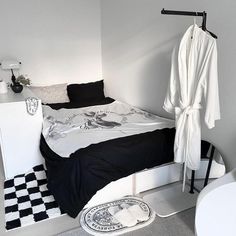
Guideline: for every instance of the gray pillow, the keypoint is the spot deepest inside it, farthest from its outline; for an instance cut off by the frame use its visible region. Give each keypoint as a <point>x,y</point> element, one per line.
<point>56,93</point>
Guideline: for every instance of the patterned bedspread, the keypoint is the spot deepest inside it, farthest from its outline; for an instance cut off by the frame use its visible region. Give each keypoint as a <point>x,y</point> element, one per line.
<point>67,130</point>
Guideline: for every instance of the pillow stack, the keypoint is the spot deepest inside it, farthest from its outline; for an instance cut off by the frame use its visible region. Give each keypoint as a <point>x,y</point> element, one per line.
<point>78,94</point>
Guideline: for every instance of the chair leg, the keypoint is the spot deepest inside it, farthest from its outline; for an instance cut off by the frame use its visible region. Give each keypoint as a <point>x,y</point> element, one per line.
<point>192,182</point>
<point>209,166</point>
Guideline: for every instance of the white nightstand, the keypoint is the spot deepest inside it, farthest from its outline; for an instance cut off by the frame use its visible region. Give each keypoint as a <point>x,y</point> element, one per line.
<point>19,133</point>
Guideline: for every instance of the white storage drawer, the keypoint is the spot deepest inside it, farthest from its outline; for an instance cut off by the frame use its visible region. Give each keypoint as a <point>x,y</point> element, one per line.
<point>19,133</point>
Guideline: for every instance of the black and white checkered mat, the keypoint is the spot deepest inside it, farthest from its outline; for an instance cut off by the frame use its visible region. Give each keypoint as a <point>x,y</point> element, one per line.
<point>28,200</point>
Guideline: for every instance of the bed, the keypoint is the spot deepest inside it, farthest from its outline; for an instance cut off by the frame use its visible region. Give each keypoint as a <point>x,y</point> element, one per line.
<point>89,142</point>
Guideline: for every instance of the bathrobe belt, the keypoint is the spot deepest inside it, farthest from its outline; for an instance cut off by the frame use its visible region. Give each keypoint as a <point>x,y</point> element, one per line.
<point>188,110</point>
<point>182,114</point>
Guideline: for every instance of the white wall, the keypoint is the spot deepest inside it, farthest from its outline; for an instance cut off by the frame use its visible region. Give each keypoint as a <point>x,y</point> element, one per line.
<point>56,40</point>
<point>60,41</point>
<point>136,46</point>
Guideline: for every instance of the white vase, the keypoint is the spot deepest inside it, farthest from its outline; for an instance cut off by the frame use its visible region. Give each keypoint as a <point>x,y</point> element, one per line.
<point>3,87</point>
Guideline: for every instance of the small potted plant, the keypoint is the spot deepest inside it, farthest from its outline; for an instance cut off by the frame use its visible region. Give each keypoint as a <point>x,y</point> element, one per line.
<point>19,82</point>
<point>23,80</point>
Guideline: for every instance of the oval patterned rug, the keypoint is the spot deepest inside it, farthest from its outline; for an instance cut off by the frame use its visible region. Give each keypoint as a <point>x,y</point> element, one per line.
<point>98,220</point>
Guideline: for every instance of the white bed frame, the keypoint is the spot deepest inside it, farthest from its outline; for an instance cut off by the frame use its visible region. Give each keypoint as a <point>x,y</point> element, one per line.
<point>138,182</point>
<point>151,178</point>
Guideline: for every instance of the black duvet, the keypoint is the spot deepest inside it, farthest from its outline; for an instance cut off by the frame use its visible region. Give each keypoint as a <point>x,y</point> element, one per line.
<point>73,181</point>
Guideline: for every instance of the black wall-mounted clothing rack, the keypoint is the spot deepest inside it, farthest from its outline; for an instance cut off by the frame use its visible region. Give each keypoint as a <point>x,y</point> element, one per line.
<point>203,14</point>
<point>204,17</point>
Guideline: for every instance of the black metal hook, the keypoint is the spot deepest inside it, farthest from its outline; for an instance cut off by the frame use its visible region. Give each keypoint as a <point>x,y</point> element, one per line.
<point>190,13</point>
<point>204,21</point>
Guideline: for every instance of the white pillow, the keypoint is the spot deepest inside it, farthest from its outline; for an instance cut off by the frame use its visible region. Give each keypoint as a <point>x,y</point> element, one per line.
<point>51,94</point>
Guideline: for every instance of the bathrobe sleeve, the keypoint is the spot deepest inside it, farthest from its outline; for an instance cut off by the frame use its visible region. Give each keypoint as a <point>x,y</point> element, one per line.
<point>172,91</point>
<point>211,91</point>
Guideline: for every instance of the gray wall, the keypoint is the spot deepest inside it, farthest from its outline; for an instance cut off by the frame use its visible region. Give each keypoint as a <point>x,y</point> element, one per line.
<point>136,46</point>
<point>56,40</point>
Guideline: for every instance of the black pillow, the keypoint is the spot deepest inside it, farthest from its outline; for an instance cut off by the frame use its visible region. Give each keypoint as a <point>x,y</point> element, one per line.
<point>90,92</point>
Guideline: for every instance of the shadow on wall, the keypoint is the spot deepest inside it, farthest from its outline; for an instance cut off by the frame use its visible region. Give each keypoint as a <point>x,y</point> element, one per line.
<point>140,77</point>
<point>136,67</point>
<point>152,88</point>
<point>149,86</point>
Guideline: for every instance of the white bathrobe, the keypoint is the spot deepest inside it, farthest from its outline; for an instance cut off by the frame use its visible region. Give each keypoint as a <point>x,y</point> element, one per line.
<point>193,76</point>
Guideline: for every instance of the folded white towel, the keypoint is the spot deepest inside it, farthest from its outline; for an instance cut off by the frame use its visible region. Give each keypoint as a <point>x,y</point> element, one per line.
<point>137,212</point>
<point>113,210</point>
<point>129,215</point>
<point>123,216</point>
